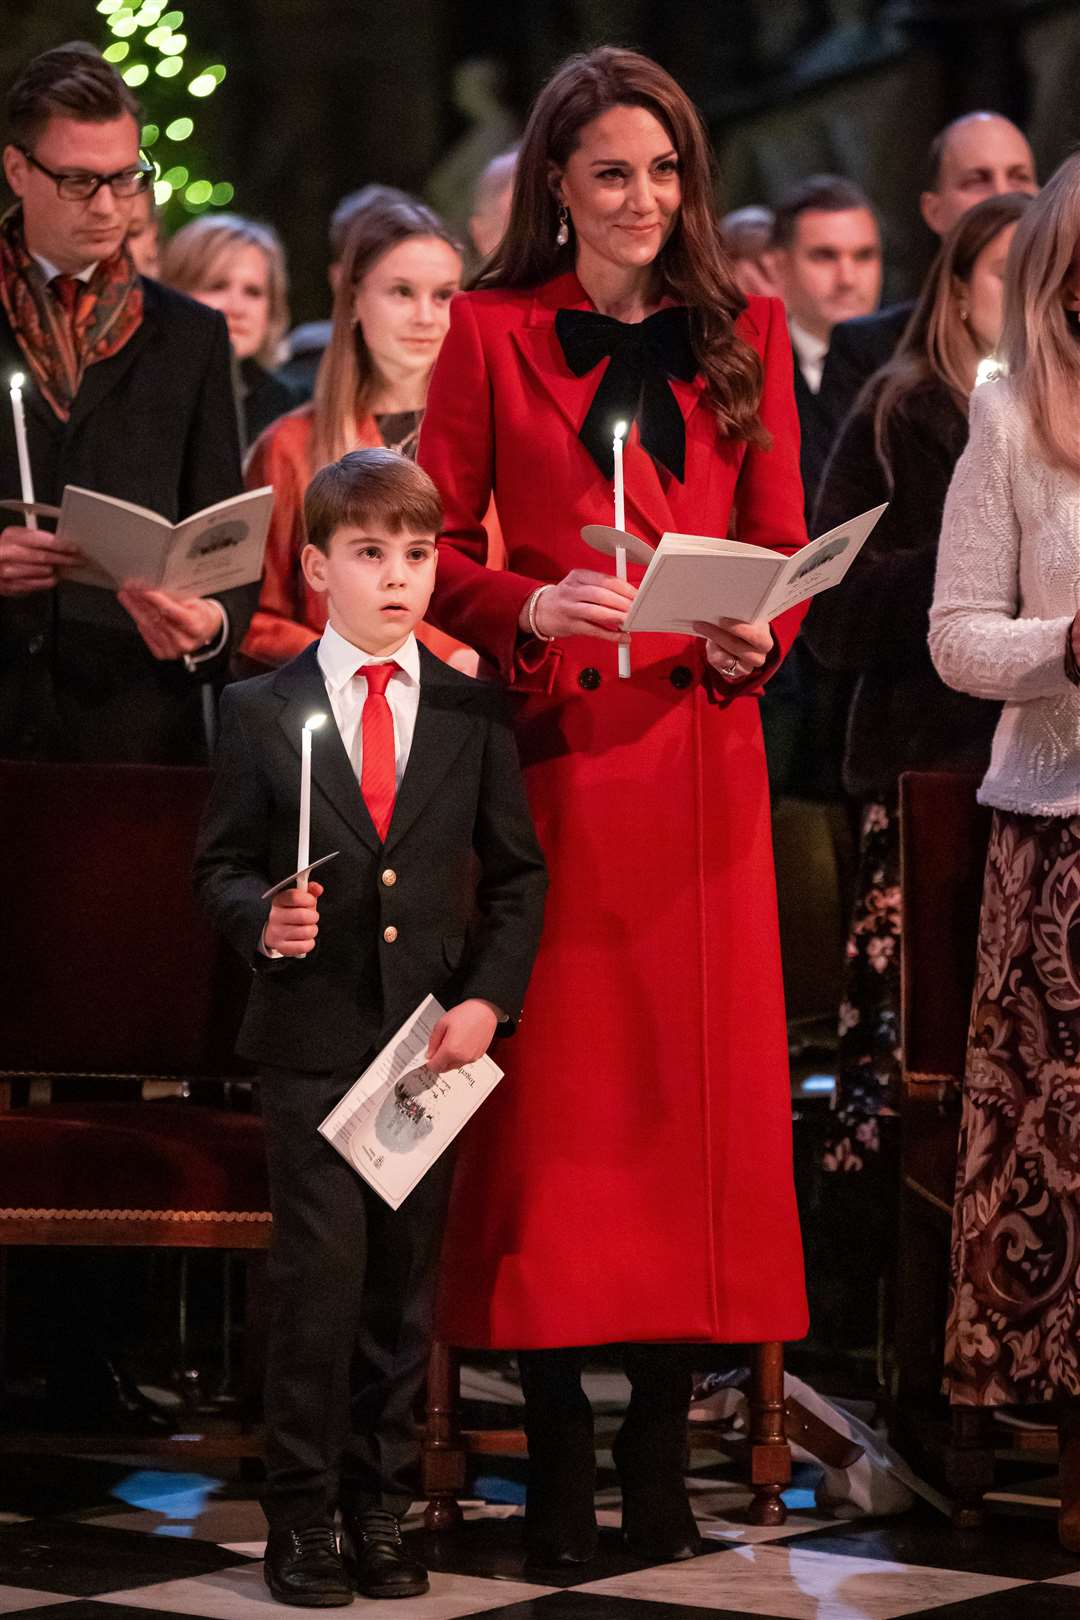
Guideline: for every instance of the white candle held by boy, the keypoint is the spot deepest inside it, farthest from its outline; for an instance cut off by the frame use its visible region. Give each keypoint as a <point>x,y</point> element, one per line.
<point>303,842</point>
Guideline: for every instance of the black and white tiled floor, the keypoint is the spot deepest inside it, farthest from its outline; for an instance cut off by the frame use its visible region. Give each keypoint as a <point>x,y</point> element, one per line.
<point>86,1540</point>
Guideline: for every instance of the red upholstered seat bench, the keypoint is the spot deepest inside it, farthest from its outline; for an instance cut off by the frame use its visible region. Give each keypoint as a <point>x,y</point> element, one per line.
<point>133,1174</point>
<point>118,980</point>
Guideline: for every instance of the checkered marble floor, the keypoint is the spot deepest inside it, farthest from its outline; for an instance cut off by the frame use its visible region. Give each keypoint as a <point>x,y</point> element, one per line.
<point>93,1540</point>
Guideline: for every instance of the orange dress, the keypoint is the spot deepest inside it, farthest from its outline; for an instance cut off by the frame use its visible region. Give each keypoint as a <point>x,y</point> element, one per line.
<point>290,615</point>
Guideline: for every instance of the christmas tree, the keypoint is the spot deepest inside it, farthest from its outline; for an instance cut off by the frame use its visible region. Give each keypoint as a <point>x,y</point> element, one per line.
<point>152,54</point>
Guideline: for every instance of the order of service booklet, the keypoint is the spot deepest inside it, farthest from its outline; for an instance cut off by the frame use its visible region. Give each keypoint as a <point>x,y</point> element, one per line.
<point>400,1116</point>
<point>211,551</point>
<point>693,577</point>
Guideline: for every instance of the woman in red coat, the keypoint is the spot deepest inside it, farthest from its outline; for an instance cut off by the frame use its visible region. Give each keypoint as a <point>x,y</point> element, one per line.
<point>630,1181</point>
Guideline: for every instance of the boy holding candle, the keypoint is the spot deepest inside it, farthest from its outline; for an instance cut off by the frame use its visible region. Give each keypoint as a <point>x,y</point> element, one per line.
<point>415,780</point>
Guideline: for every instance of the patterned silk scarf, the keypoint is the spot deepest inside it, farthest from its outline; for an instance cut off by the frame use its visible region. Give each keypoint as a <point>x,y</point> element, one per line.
<point>57,348</point>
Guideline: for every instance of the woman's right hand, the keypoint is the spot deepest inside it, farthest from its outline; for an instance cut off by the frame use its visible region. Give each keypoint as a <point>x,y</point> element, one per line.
<point>584,603</point>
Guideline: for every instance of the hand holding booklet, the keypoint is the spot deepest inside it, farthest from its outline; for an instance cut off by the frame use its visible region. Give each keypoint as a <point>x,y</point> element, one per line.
<point>401,1116</point>
<point>692,577</point>
<point>211,551</point>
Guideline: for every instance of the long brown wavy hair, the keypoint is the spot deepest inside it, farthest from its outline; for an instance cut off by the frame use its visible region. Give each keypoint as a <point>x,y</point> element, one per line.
<point>346,377</point>
<point>692,267</point>
<point>1041,343</point>
<point>938,345</point>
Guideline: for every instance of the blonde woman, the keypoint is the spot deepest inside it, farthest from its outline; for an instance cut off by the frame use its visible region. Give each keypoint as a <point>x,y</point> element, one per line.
<point>400,269</point>
<point>1004,626</point>
<point>238,266</point>
<point>900,444</point>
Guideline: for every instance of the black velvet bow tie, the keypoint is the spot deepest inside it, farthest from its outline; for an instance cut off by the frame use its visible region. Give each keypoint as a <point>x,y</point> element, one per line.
<point>635,385</point>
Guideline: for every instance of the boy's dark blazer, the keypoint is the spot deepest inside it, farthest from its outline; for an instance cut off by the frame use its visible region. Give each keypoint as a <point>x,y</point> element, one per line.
<point>155,424</point>
<point>460,878</point>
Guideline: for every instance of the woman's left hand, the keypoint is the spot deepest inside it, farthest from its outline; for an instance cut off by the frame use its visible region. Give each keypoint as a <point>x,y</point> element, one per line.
<point>733,649</point>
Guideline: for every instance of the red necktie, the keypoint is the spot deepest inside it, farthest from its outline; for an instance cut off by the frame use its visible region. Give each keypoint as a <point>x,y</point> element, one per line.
<point>66,290</point>
<point>378,771</point>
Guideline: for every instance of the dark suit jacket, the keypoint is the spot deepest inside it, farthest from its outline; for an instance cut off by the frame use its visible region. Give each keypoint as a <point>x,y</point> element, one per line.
<point>814,441</point>
<point>804,707</point>
<point>156,425</point>
<point>461,809</point>
<point>856,350</point>
<point>873,626</point>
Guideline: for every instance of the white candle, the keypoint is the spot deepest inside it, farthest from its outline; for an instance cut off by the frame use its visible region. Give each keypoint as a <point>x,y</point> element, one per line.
<point>26,476</point>
<point>620,487</point>
<point>620,524</point>
<point>303,842</point>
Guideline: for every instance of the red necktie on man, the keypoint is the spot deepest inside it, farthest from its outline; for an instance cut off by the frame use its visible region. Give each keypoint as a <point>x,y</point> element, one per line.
<point>378,771</point>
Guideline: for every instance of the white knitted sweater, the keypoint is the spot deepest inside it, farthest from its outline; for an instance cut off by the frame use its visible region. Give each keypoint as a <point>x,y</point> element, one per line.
<point>1008,585</point>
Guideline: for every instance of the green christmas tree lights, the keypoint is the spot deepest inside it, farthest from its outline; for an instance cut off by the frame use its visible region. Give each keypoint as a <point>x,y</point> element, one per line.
<point>150,50</point>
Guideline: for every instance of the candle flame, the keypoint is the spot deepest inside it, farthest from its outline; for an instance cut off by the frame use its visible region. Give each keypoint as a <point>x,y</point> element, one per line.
<point>17,380</point>
<point>620,430</point>
<point>314,721</point>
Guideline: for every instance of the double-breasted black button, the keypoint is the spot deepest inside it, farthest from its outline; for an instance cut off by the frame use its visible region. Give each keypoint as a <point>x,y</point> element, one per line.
<point>589,678</point>
<point>681,677</point>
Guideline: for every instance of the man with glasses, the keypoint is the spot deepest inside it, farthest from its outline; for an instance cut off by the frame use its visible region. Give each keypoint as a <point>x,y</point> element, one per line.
<point>128,392</point>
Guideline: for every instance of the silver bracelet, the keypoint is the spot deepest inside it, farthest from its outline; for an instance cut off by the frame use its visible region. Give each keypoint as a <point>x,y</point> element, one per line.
<point>530,610</point>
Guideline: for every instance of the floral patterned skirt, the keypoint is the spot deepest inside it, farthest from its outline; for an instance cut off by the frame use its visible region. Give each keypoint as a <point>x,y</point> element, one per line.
<point>1013,1334</point>
<point>868,1053</point>
<point>858,1208</point>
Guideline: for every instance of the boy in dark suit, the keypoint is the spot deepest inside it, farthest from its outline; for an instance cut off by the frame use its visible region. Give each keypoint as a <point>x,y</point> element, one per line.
<point>416,782</point>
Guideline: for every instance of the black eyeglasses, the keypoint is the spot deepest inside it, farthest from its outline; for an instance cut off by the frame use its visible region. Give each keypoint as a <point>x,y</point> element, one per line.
<point>78,186</point>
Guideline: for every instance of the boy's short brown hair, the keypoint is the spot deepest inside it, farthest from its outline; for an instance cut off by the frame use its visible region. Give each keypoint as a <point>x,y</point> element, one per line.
<point>370,486</point>
<point>70,81</point>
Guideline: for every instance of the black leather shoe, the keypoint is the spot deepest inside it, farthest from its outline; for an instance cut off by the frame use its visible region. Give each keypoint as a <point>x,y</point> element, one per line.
<point>375,1557</point>
<point>304,1567</point>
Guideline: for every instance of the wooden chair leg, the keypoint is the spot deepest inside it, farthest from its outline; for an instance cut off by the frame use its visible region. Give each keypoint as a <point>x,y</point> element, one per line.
<point>443,1455</point>
<point>770,1454</point>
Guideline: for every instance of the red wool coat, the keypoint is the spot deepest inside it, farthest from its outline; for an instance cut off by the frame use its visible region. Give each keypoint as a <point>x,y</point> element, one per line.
<point>631,1177</point>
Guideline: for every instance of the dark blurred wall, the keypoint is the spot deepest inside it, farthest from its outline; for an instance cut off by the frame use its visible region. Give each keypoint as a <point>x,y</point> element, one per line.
<point>324,97</point>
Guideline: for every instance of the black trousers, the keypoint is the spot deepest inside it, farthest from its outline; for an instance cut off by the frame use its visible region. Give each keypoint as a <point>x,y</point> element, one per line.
<point>352,1290</point>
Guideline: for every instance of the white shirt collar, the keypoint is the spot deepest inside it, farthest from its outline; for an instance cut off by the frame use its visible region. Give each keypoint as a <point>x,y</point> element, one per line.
<point>339,659</point>
<point>810,351</point>
<point>50,272</point>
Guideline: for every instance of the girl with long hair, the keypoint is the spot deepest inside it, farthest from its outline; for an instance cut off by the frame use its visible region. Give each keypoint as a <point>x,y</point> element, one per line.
<point>237,265</point>
<point>1004,626</point>
<point>630,1182</point>
<point>900,444</point>
<point>400,269</point>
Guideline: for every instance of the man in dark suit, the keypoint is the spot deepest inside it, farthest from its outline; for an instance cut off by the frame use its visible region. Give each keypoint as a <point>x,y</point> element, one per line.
<point>129,393</point>
<point>825,257</point>
<point>416,778</point>
<point>979,155</point>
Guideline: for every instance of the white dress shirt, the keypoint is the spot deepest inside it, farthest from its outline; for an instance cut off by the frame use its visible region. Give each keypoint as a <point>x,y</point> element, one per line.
<point>810,352</point>
<point>339,661</point>
<point>50,271</point>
